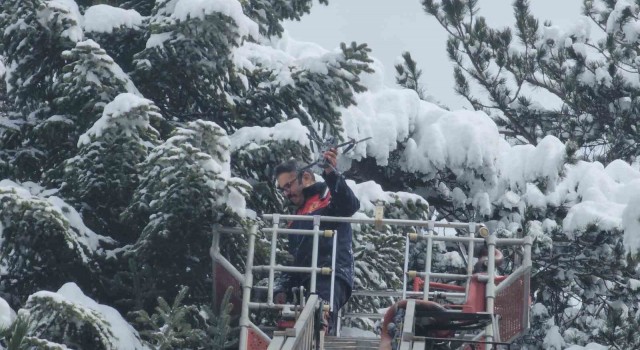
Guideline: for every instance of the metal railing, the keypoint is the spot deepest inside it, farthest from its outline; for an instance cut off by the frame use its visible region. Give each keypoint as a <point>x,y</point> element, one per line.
<point>425,230</point>
<point>301,336</point>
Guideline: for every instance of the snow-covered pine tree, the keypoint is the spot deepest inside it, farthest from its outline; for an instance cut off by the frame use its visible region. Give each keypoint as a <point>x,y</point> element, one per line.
<point>122,32</point>
<point>594,79</point>
<point>272,87</point>
<point>89,81</point>
<point>43,242</point>
<point>186,187</point>
<point>101,179</point>
<point>7,128</point>
<point>270,14</point>
<point>585,285</point>
<point>69,319</point>
<point>187,60</point>
<point>52,27</point>
<point>584,273</point>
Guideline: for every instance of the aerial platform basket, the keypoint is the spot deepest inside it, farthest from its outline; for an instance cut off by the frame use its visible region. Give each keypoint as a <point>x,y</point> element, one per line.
<point>468,311</point>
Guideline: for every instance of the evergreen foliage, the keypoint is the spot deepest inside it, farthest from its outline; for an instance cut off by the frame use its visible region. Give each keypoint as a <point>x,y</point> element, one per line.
<point>68,319</point>
<point>594,80</point>
<point>152,134</point>
<point>268,94</point>
<point>40,247</point>
<point>270,14</point>
<point>193,90</point>
<point>52,27</point>
<point>582,279</point>
<point>170,327</point>
<point>103,176</point>
<point>185,189</point>
<point>408,75</point>
<point>379,255</point>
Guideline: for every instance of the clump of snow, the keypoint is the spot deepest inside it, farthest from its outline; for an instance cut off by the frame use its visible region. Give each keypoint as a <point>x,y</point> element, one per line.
<point>50,13</point>
<point>111,116</point>
<point>630,27</point>
<point>622,172</point>
<point>539,310</point>
<point>157,40</point>
<point>84,235</point>
<point>123,335</point>
<point>370,194</point>
<point>290,130</point>
<point>185,9</point>
<point>284,57</point>
<point>237,201</point>
<point>605,215</point>
<point>522,164</point>
<point>104,61</point>
<point>7,315</point>
<point>553,339</point>
<point>104,19</point>
<point>453,259</point>
<point>388,116</point>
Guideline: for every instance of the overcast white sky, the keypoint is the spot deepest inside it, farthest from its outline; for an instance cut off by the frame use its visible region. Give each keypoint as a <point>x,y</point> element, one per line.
<point>393,26</point>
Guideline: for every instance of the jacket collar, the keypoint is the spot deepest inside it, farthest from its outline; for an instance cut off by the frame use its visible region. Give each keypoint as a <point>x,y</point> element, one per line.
<point>316,196</point>
<point>317,188</point>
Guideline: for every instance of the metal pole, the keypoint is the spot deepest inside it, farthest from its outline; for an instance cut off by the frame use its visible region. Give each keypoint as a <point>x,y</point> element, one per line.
<point>314,253</point>
<point>396,222</point>
<point>470,249</point>
<point>272,260</point>
<point>491,286</point>
<point>215,249</point>
<point>470,253</point>
<point>246,295</point>
<point>528,241</point>
<point>429,256</point>
<point>333,269</point>
<point>406,267</point>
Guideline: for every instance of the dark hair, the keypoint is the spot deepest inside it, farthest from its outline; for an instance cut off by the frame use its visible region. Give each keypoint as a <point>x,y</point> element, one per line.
<point>289,166</point>
<point>286,167</point>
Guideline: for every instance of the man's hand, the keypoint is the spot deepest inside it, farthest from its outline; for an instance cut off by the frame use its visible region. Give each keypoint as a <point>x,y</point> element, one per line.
<point>330,157</point>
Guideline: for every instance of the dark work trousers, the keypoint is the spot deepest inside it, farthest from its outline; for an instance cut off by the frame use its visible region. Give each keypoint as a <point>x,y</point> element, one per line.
<point>341,294</point>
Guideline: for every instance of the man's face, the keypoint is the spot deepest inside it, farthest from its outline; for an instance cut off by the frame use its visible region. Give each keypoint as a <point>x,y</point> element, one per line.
<point>290,187</point>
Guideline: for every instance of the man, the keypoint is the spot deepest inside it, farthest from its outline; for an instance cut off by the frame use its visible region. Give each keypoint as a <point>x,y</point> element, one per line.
<point>331,198</point>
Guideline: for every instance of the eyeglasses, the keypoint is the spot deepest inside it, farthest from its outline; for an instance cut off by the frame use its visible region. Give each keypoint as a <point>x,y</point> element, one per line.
<point>287,187</point>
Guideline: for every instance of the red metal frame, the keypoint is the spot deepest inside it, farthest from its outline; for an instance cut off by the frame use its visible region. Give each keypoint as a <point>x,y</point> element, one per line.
<point>224,279</point>
<point>255,340</point>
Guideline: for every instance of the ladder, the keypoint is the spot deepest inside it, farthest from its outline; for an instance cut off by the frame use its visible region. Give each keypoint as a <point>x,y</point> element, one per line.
<point>486,298</point>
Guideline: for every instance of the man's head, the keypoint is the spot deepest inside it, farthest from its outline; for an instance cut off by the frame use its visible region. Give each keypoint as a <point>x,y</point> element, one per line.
<point>290,183</point>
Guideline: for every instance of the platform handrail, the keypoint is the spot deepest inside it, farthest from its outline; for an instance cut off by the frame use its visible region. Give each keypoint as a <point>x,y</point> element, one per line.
<point>300,336</point>
<point>426,231</point>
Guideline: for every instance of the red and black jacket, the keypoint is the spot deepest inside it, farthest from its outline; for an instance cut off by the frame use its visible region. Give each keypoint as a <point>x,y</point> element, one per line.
<point>331,198</point>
